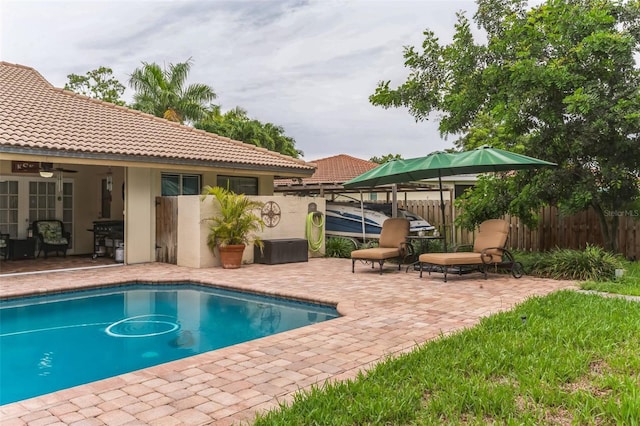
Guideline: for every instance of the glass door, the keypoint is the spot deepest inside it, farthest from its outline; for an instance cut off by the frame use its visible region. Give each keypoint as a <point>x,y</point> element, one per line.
<point>9,208</point>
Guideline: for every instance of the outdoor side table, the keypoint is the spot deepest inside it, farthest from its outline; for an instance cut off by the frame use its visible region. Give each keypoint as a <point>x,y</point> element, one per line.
<point>424,246</point>
<point>22,248</point>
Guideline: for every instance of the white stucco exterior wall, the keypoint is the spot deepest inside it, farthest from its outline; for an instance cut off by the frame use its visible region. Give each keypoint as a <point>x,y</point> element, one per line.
<point>140,193</point>
<point>192,228</point>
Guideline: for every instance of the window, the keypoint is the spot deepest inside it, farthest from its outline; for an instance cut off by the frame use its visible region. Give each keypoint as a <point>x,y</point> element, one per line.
<point>9,208</point>
<point>179,184</point>
<point>239,184</point>
<point>45,203</point>
<point>42,201</point>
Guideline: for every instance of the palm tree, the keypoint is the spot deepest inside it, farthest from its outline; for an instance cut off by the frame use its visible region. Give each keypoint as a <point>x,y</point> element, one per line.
<point>163,92</point>
<point>236,124</point>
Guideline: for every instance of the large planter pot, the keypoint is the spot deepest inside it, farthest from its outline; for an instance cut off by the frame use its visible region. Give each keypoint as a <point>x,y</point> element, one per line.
<point>231,256</point>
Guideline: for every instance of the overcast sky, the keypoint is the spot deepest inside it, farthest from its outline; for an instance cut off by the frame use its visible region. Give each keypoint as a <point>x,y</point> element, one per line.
<point>307,65</point>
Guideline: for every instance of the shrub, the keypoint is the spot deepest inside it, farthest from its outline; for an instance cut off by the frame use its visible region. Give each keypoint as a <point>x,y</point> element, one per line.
<point>629,284</point>
<point>592,263</point>
<point>339,247</point>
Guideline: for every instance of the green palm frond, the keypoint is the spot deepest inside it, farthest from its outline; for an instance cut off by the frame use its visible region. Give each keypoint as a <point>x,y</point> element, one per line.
<point>236,222</point>
<point>163,93</point>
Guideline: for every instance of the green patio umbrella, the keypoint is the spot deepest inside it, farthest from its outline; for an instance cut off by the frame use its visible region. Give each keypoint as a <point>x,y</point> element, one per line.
<point>438,164</point>
<point>399,171</point>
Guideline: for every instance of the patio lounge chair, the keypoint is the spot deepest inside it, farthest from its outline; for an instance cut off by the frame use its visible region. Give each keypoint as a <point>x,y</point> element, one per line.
<point>393,244</point>
<point>51,236</point>
<point>488,249</point>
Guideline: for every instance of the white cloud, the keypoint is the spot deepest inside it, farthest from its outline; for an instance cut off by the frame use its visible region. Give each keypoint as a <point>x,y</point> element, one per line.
<point>308,66</point>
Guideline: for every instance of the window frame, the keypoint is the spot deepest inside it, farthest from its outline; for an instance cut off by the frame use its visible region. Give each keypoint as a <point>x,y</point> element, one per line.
<point>235,184</point>
<point>181,183</point>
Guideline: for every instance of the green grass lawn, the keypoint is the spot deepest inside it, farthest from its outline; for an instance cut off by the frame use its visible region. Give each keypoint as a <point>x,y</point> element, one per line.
<point>567,358</point>
<point>629,283</point>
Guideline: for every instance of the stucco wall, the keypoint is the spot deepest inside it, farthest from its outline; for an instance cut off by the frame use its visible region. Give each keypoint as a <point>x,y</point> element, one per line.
<point>192,227</point>
<point>139,213</point>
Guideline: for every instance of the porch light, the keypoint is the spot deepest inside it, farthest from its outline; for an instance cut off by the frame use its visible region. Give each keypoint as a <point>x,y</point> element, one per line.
<point>46,173</point>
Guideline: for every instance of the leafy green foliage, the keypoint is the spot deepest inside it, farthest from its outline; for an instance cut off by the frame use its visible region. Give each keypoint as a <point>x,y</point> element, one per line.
<point>97,84</point>
<point>162,92</point>
<point>562,359</point>
<point>593,263</point>
<point>339,247</point>
<point>236,222</point>
<point>385,158</point>
<point>628,284</point>
<point>236,124</point>
<point>558,81</point>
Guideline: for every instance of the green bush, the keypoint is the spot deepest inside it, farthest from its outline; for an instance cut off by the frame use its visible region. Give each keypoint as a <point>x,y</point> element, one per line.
<point>339,247</point>
<point>629,284</point>
<point>592,263</point>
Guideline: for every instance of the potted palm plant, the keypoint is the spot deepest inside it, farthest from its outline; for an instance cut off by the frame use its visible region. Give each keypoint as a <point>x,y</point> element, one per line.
<point>234,226</point>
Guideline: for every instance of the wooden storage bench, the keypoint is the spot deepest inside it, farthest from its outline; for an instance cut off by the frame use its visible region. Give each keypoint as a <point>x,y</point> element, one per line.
<point>285,250</point>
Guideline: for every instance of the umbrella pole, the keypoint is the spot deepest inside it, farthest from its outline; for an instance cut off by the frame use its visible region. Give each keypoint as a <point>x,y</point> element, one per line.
<point>444,227</point>
<point>394,200</point>
<point>364,233</point>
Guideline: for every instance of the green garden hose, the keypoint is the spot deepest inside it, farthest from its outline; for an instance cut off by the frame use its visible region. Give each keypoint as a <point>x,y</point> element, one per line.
<point>315,243</point>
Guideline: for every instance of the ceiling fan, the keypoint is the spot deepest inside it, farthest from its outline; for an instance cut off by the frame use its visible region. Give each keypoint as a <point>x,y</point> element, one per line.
<point>47,169</point>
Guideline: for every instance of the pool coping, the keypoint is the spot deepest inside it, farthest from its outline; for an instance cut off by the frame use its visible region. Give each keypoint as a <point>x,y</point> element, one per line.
<point>230,385</point>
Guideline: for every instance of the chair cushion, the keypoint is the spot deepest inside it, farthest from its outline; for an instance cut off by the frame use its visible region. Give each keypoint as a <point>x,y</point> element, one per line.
<point>492,233</point>
<point>377,253</point>
<point>460,258</point>
<point>52,232</point>
<point>394,232</point>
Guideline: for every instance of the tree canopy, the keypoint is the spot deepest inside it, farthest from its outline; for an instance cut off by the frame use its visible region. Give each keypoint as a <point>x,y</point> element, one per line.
<point>385,158</point>
<point>558,81</point>
<point>164,93</point>
<point>97,84</point>
<point>236,124</point>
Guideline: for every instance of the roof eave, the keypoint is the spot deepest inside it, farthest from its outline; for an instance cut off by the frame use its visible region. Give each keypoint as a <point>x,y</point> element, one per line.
<point>303,170</point>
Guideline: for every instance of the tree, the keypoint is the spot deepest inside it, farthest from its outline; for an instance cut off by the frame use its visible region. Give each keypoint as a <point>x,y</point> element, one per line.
<point>385,158</point>
<point>97,84</point>
<point>162,92</point>
<point>236,124</point>
<point>558,81</point>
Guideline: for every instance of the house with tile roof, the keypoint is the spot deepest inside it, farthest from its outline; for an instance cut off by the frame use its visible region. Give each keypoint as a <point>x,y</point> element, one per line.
<point>83,161</point>
<point>332,172</point>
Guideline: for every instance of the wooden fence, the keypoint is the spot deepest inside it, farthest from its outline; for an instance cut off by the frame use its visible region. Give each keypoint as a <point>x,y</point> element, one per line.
<point>554,230</point>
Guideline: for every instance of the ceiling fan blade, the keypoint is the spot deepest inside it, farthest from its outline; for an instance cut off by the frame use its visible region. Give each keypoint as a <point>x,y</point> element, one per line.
<point>46,167</point>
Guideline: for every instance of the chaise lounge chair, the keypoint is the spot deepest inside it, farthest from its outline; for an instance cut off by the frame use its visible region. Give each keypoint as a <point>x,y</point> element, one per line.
<point>393,244</point>
<point>488,249</point>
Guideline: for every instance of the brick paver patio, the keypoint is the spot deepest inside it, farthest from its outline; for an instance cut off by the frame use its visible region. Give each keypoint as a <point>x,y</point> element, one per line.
<point>382,315</point>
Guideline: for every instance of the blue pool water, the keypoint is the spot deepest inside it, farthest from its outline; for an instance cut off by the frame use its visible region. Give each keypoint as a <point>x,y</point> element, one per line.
<point>54,342</point>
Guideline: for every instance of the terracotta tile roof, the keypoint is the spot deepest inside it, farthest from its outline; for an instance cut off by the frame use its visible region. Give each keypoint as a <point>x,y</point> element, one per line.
<point>37,118</point>
<point>334,170</point>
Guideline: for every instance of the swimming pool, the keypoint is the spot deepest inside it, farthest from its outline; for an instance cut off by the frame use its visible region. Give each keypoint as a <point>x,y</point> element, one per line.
<point>48,343</point>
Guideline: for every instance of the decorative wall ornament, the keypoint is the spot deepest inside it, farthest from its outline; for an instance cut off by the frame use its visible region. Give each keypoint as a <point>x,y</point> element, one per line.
<point>271,214</point>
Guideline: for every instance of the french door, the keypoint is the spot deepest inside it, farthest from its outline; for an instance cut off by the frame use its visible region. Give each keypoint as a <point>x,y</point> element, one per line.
<point>25,199</point>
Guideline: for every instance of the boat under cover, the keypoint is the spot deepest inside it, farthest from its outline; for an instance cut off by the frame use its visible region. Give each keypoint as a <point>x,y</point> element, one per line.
<point>345,219</point>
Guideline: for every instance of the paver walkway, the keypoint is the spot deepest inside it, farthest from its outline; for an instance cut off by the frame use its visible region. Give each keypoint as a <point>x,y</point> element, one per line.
<point>383,315</point>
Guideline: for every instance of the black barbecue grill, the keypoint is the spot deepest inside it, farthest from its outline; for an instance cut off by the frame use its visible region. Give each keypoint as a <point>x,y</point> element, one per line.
<point>107,234</point>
